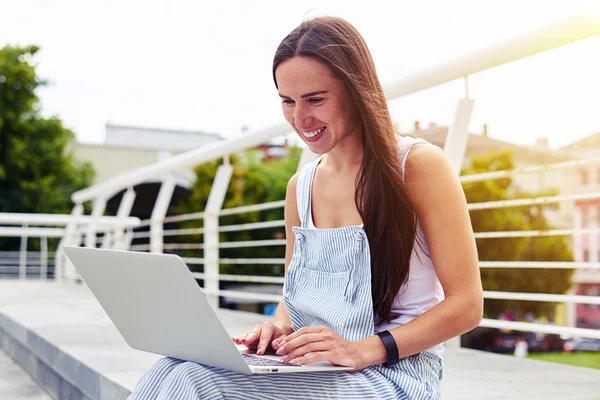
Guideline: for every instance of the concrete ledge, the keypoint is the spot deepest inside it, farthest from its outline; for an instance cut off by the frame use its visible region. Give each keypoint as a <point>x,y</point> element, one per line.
<point>61,336</point>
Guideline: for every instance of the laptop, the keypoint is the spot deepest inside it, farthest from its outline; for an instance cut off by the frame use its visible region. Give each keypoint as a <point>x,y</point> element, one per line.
<point>158,307</point>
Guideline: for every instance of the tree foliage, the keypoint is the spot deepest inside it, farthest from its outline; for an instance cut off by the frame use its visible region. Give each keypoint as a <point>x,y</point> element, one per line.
<point>37,172</point>
<point>254,182</point>
<point>549,248</point>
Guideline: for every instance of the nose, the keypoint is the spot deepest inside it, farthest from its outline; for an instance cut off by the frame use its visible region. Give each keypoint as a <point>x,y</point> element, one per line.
<point>302,116</point>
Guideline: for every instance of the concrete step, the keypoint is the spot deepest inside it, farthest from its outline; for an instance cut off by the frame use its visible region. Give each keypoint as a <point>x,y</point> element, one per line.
<point>16,384</point>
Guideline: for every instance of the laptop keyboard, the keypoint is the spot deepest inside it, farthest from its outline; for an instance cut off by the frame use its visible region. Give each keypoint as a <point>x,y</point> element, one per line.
<point>259,361</point>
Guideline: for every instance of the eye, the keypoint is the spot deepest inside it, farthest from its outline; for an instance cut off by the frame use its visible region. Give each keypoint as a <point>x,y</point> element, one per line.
<point>287,101</point>
<point>315,100</point>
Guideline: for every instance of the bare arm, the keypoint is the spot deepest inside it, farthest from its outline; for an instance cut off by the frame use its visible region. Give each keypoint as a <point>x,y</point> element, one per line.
<point>441,208</point>
<point>282,318</point>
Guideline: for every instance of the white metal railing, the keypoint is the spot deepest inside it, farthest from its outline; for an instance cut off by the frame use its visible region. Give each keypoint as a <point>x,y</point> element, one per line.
<point>554,35</point>
<point>26,263</point>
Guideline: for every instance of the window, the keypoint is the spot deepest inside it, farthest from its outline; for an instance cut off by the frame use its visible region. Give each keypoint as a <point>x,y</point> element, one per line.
<point>584,217</point>
<point>586,256</point>
<point>583,177</point>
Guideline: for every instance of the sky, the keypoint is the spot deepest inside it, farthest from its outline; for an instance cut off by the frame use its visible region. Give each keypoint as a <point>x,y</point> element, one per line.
<point>206,65</point>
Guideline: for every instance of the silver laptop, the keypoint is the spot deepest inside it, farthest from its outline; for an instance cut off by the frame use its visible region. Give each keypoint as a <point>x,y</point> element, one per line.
<point>157,306</point>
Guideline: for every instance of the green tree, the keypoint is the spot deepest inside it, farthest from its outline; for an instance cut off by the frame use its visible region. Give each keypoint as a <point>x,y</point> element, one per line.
<point>252,182</point>
<point>551,248</point>
<point>37,172</point>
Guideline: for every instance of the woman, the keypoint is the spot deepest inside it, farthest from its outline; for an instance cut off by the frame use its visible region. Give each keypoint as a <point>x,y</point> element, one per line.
<point>381,260</point>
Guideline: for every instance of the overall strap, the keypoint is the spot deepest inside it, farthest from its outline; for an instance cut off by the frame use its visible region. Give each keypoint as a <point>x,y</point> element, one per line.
<point>304,191</point>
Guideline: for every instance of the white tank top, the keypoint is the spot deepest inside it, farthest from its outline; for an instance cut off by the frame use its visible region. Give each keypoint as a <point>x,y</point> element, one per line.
<point>423,289</point>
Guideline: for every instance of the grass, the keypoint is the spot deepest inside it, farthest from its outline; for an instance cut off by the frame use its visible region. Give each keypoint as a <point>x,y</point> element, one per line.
<point>584,359</point>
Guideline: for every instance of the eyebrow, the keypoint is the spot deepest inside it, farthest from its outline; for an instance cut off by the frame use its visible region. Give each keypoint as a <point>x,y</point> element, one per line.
<point>306,95</point>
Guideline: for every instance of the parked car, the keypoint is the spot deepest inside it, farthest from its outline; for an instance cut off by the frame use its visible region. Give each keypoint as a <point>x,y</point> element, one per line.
<point>498,341</point>
<point>581,344</point>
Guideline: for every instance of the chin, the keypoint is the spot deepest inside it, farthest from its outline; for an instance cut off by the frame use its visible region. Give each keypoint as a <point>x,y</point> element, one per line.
<point>318,148</point>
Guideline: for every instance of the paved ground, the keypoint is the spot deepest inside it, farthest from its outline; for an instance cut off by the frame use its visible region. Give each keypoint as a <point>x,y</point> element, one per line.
<point>16,384</point>
<point>71,333</point>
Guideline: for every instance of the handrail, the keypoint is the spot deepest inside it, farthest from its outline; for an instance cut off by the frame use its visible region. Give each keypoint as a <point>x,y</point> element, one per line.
<point>553,35</point>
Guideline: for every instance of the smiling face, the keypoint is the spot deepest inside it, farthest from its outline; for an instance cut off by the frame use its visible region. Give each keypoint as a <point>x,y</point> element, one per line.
<point>316,104</point>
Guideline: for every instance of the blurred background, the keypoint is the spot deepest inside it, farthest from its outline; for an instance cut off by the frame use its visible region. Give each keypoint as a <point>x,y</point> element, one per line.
<point>155,126</point>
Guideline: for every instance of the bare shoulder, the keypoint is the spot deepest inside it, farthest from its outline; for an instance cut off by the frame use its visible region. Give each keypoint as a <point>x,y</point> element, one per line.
<point>429,174</point>
<point>424,160</point>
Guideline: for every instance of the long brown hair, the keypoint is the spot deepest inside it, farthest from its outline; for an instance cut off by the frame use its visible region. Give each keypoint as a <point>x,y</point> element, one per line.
<point>381,199</point>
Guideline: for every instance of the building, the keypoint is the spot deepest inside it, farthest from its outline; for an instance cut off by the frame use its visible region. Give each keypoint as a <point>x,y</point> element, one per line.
<point>128,148</point>
<point>586,246</point>
<point>524,156</point>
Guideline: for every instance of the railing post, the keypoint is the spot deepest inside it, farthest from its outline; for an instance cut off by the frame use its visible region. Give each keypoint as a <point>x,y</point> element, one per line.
<point>23,256</point>
<point>211,232</point>
<point>458,136</point>
<point>593,237</point>
<point>120,241</point>
<point>455,149</point>
<point>63,269</point>
<point>570,307</point>
<point>159,212</point>
<point>43,257</point>
<point>107,240</point>
<point>97,211</point>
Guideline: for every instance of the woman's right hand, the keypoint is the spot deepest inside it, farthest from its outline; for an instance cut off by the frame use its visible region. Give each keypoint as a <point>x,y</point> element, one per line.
<point>261,337</point>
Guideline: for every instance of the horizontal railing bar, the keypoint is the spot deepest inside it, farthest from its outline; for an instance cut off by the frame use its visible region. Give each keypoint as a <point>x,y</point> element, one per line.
<point>252,243</point>
<point>267,261</point>
<point>255,207</point>
<point>557,298</point>
<point>245,295</point>
<point>531,201</point>
<point>541,328</point>
<point>136,247</point>
<point>184,217</point>
<point>251,226</point>
<point>181,246</point>
<point>244,278</point>
<point>485,176</point>
<point>65,219</point>
<point>539,233</point>
<point>539,264</point>
<point>551,36</point>
<point>29,253</point>
<point>225,245</point>
<point>31,232</point>
<point>270,261</point>
<point>183,232</point>
<point>193,260</point>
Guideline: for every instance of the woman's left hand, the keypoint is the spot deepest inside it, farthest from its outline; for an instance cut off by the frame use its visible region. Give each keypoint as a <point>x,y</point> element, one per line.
<point>323,344</point>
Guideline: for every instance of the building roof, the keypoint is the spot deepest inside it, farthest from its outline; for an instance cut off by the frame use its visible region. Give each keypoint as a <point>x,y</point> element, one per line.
<point>592,141</point>
<point>163,130</point>
<point>480,143</point>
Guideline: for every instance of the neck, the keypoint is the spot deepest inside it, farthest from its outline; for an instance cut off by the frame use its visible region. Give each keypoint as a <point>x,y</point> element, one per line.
<point>346,156</point>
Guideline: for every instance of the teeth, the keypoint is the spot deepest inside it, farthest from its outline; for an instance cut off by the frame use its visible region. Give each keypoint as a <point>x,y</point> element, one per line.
<point>313,133</point>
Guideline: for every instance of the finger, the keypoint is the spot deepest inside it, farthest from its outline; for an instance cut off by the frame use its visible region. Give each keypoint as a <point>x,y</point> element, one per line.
<point>265,338</point>
<point>253,334</point>
<point>277,342</point>
<point>303,350</point>
<point>303,331</point>
<point>314,357</point>
<point>251,339</point>
<point>290,345</point>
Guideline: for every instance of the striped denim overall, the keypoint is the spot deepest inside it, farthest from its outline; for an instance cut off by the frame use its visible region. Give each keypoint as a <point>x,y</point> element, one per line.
<point>328,283</point>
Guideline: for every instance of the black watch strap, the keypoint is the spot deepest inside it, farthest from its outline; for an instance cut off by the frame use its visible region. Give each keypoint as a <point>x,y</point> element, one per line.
<point>390,348</point>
